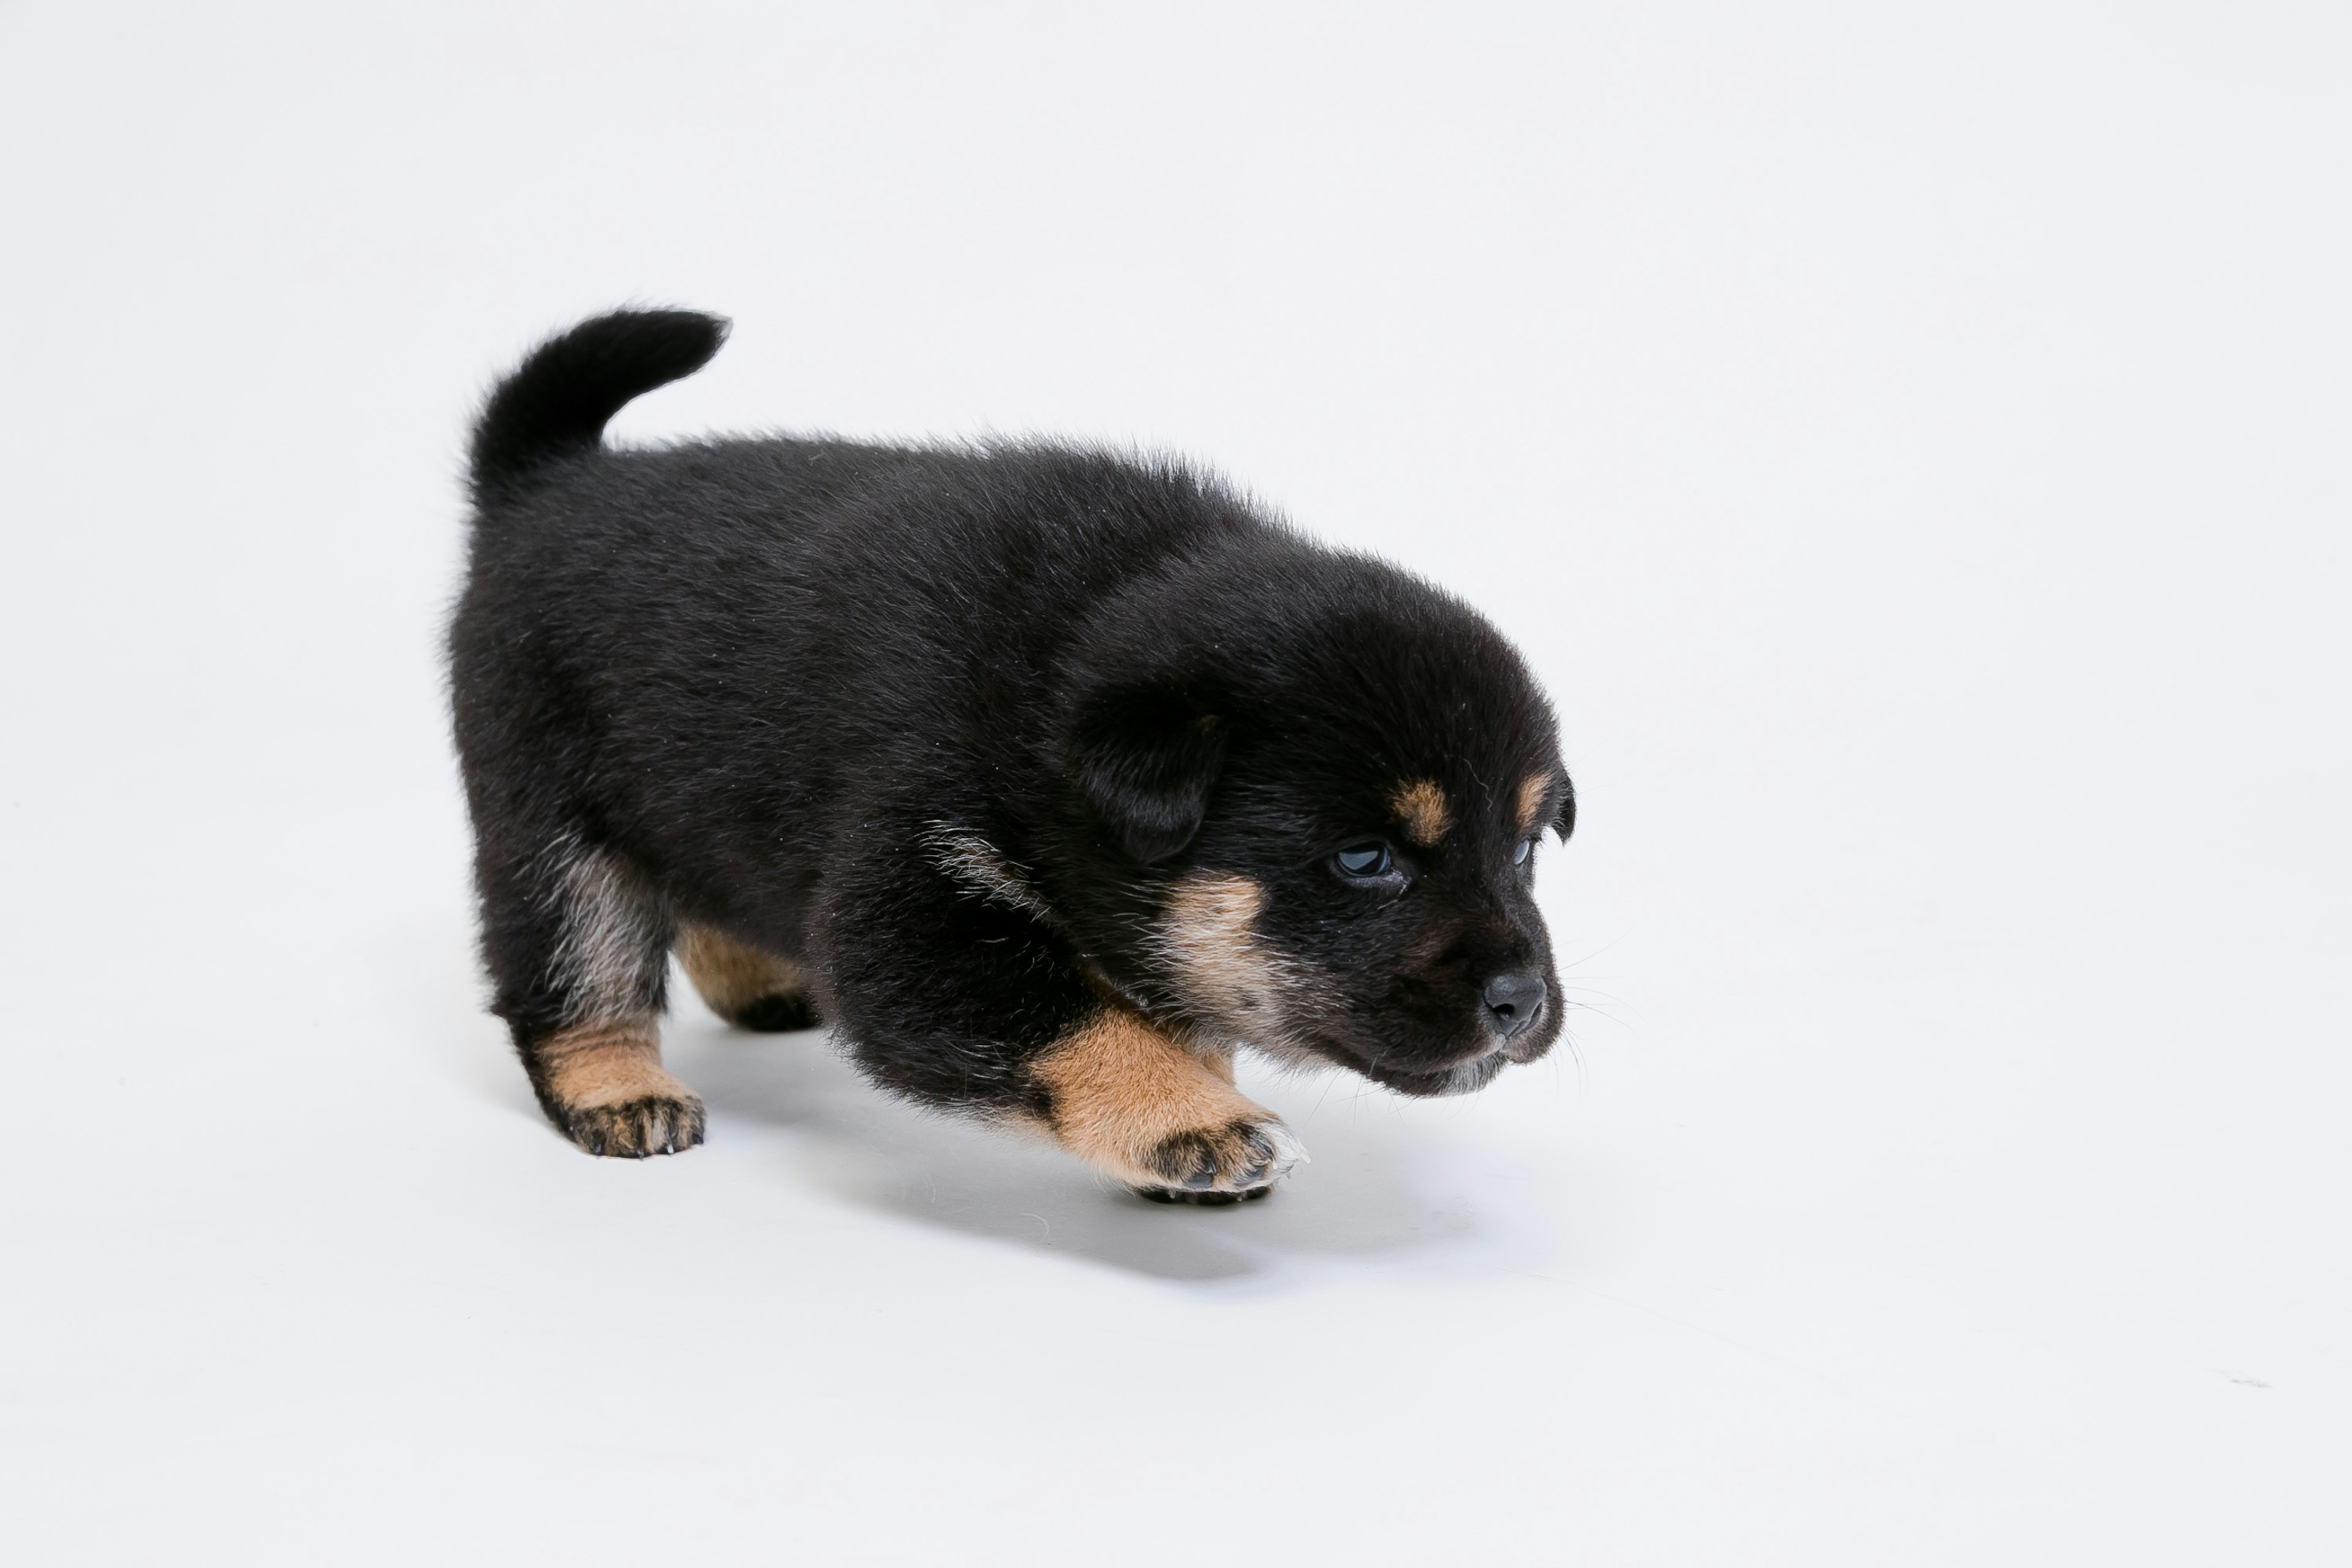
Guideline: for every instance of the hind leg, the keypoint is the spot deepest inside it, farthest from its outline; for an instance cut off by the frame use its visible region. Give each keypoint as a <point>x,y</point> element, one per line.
<point>579,950</point>
<point>749,988</point>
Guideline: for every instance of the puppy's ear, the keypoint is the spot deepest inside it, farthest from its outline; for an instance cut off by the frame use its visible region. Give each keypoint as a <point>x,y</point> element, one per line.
<point>1145,759</point>
<point>1564,821</point>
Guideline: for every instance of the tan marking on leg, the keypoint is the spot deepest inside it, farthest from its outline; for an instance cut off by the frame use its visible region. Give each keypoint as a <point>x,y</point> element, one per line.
<point>1421,805</point>
<point>604,1086</point>
<point>592,1065</point>
<point>731,976</point>
<point>1134,1103</point>
<point>1532,790</point>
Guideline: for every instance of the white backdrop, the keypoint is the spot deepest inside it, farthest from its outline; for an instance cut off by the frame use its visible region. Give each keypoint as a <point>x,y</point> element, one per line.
<point>1911,449</point>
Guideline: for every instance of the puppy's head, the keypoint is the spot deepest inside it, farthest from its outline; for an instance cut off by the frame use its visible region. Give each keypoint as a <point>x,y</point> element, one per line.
<point>1316,791</point>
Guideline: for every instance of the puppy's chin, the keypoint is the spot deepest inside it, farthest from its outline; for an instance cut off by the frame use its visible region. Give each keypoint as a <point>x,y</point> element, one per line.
<point>1471,1071</point>
<point>1460,1078</point>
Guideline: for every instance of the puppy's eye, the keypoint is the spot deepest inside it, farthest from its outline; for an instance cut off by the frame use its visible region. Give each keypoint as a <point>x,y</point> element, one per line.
<point>1527,846</point>
<point>1365,860</point>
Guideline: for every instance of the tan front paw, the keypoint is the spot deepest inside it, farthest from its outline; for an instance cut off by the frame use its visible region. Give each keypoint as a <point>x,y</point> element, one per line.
<point>1232,1163</point>
<point>1160,1116</point>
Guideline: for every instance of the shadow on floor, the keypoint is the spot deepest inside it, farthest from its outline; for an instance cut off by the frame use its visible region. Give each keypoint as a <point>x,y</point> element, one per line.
<point>1377,1190</point>
<point>1369,1192</point>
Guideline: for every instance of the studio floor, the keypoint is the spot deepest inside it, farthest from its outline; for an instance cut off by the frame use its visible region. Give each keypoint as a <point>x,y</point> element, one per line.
<point>1909,450</point>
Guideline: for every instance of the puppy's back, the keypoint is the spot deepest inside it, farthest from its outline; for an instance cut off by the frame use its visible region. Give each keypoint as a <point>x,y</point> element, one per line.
<point>778,631</point>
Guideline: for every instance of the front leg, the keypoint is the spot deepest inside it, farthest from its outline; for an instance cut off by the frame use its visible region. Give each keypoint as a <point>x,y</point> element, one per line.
<point>956,989</point>
<point>1165,1120</point>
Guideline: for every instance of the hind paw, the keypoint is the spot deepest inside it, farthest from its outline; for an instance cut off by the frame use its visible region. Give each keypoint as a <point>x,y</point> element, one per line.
<point>633,1128</point>
<point>779,1012</point>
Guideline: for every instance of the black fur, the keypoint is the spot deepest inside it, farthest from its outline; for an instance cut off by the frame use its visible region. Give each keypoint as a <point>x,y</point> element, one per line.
<point>772,684</point>
<point>556,404</point>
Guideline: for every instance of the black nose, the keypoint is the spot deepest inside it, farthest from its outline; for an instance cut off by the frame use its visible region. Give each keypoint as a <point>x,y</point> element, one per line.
<point>1513,1002</point>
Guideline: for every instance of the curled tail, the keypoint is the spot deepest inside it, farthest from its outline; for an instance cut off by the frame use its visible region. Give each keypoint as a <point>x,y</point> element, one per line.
<point>557,401</point>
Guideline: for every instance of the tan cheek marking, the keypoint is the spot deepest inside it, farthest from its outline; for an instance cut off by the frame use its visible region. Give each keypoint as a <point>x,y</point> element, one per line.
<point>593,1065</point>
<point>1420,804</point>
<point>1208,935</point>
<point>1120,1089</point>
<point>731,976</point>
<point>1532,790</point>
<point>1235,985</point>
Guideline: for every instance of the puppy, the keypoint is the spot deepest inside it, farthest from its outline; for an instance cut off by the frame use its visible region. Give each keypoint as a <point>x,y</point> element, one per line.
<point>1047,778</point>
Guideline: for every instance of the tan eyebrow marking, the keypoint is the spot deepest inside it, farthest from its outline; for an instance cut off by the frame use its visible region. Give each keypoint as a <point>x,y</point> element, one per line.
<point>1532,790</point>
<point>1420,804</point>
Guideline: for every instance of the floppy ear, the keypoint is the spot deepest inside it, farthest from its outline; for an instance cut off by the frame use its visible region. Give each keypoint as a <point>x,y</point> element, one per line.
<point>1145,758</point>
<point>1564,822</point>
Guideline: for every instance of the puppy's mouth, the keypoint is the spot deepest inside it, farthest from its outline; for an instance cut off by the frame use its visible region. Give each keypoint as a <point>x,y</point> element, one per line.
<point>1462,1077</point>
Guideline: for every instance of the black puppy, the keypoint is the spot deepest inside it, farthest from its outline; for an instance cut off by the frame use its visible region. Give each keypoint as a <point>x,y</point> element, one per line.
<point>1046,778</point>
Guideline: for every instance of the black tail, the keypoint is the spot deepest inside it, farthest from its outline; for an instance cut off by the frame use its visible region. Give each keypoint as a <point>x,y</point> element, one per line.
<point>558,399</point>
